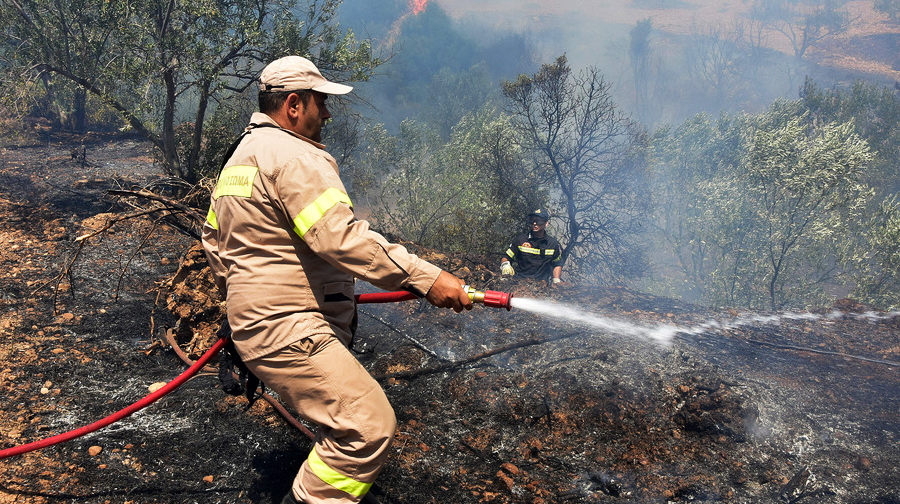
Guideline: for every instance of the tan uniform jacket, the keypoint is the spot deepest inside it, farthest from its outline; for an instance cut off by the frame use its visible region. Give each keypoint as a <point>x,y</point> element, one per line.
<point>284,245</point>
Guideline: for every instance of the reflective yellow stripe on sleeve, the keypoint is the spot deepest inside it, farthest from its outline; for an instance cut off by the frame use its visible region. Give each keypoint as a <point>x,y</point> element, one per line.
<point>211,218</point>
<point>334,478</point>
<point>312,213</point>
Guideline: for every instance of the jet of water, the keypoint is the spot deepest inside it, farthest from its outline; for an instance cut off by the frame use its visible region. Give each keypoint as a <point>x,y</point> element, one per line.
<point>660,333</point>
<point>663,334</point>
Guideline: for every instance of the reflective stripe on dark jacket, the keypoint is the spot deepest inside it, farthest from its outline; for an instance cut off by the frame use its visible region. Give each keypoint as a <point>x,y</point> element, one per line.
<point>534,257</point>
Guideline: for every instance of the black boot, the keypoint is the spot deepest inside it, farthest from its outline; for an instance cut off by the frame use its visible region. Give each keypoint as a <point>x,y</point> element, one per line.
<point>289,499</point>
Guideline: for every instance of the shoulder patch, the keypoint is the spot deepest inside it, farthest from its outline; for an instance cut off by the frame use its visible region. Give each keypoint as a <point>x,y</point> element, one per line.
<point>236,180</point>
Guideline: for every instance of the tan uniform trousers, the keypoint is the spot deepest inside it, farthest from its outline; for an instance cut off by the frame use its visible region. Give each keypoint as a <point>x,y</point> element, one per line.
<point>325,384</point>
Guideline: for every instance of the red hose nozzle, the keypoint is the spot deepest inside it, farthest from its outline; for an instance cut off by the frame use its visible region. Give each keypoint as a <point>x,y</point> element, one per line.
<point>494,299</point>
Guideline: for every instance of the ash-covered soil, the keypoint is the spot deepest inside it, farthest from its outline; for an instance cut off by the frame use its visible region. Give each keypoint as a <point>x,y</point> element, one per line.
<point>738,408</point>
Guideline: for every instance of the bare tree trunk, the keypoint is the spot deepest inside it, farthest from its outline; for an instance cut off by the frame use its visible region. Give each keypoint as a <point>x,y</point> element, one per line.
<point>197,139</point>
<point>170,150</point>
<point>79,110</point>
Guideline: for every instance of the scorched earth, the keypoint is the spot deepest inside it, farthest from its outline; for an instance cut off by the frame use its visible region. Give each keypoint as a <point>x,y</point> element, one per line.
<point>493,405</point>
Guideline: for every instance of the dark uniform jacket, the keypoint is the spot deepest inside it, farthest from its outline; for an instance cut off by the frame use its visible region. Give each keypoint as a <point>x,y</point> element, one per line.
<point>534,257</point>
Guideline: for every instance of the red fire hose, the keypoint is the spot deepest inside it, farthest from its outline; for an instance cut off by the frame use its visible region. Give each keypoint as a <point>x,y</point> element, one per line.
<point>146,401</point>
<point>489,298</point>
<point>494,299</point>
<point>385,297</point>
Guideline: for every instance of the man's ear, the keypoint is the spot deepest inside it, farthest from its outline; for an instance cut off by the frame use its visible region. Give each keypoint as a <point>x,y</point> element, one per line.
<point>294,105</point>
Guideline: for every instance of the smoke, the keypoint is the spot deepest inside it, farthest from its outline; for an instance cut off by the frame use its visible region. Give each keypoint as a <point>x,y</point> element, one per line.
<point>692,58</point>
<point>701,56</point>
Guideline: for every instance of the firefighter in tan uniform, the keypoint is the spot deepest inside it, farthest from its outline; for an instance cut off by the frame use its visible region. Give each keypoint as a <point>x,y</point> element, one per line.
<point>284,247</point>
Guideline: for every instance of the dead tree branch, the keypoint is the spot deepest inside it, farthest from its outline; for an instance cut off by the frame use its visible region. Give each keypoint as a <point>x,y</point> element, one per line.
<point>195,219</point>
<point>169,208</point>
<point>404,375</point>
<point>168,202</point>
<point>824,352</point>
<point>417,343</point>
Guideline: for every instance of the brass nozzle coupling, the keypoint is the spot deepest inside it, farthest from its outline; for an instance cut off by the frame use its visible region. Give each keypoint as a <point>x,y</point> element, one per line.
<point>494,299</point>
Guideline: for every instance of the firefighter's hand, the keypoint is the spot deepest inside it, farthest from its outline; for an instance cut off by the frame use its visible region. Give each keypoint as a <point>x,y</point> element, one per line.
<point>507,269</point>
<point>447,292</point>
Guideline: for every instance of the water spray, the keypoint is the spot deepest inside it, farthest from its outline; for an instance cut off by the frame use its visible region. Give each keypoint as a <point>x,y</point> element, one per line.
<point>659,333</point>
<point>664,334</point>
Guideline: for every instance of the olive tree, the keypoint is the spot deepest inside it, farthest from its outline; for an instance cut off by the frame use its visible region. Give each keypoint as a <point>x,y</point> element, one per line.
<point>589,157</point>
<point>767,206</point>
<point>415,196</point>
<point>165,65</point>
<point>807,183</point>
<point>878,262</point>
<point>686,162</point>
<point>77,36</point>
<point>875,112</point>
<point>460,195</point>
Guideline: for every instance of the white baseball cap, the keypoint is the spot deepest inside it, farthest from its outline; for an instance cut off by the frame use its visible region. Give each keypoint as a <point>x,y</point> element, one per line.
<point>293,73</point>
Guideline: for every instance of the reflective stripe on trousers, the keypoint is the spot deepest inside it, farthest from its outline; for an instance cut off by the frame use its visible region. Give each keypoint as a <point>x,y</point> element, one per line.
<point>325,384</point>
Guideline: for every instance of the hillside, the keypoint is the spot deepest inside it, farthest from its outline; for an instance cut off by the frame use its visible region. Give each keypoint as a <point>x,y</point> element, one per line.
<point>868,50</point>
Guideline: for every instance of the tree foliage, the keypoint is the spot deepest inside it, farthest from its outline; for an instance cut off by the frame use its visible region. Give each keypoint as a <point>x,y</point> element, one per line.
<point>440,68</point>
<point>878,262</point>
<point>808,186</point>
<point>875,113</point>
<point>461,195</point>
<point>166,65</point>
<point>78,36</point>
<point>452,95</point>
<point>588,155</point>
<point>764,209</point>
<point>684,162</point>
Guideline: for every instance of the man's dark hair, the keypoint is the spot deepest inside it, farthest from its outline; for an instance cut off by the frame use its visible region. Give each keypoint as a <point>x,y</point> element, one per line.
<point>270,101</point>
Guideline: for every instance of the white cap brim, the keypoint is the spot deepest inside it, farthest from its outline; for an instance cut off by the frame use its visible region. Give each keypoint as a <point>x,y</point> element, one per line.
<point>333,88</point>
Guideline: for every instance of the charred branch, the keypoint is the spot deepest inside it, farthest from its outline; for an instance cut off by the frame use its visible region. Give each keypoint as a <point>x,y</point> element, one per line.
<point>418,344</point>
<point>405,375</point>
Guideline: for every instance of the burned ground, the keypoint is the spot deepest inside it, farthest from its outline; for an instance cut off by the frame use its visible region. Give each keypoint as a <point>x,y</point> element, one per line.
<point>738,408</point>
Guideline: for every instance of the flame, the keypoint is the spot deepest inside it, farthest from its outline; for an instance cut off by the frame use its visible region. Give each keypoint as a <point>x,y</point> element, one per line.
<point>415,8</point>
<point>418,6</point>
